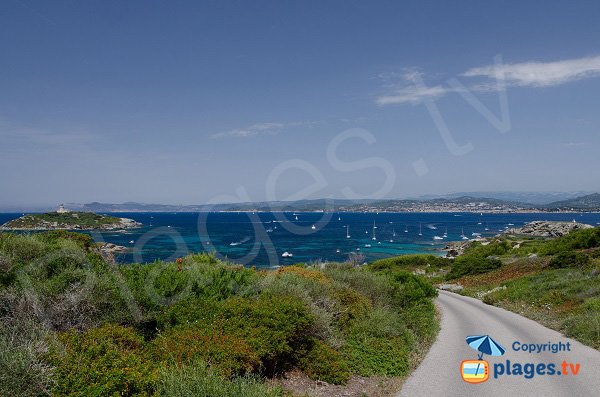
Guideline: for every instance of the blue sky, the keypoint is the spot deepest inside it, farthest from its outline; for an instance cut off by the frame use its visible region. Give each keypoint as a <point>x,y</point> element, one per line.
<point>189,102</point>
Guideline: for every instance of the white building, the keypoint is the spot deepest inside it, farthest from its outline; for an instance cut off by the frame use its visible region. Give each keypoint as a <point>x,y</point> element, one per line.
<point>62,210</point>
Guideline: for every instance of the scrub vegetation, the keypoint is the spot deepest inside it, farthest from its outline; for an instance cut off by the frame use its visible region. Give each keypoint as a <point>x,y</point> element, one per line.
<point>74,324</point>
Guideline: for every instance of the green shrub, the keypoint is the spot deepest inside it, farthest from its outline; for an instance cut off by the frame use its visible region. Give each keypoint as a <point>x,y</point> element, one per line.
<point>377,356</point>
<point>274,327</point>
<point>466,265</point>
<point>23,371</point>
<point>323,363</point>
<point>199,380</point>
<point>578,239</point>
<point>409,261</point>
<point>569,259</point>
<point>353,306</point>
<point>229,355</point>
<point>102,361</point>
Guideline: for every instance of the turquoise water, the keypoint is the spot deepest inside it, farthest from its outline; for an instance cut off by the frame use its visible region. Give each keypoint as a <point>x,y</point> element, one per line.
<point>260,239</point>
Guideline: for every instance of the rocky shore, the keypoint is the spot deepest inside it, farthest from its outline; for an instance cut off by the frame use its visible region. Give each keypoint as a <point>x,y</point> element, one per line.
<point>546,229</point>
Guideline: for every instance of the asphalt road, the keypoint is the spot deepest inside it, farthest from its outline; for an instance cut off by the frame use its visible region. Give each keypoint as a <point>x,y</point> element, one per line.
<point>439,373</point>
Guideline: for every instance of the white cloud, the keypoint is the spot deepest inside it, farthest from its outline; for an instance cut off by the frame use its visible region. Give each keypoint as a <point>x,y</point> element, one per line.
<point>264,129</point>
<point>540,74</point>
<point>254,129</point>
<point>526,74</point>
<point>412,95</point>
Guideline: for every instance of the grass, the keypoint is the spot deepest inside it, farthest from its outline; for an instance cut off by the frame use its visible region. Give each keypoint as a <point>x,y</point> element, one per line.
<point>197,326</point>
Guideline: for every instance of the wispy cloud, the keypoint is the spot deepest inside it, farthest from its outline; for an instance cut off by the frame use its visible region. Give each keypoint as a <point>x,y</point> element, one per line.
<point>409,86</point>
<point>540,74</point>
<point>270,128</point>
<point>252,130</point>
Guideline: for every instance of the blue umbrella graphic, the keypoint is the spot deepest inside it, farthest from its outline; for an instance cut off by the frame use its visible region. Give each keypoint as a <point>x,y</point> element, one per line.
<point>484,344</point>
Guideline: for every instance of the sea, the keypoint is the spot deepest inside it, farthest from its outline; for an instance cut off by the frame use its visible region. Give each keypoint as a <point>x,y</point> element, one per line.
<point>273,239</point>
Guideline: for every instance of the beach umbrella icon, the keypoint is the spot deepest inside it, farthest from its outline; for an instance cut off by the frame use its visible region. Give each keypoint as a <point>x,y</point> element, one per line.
<point>484,344</point>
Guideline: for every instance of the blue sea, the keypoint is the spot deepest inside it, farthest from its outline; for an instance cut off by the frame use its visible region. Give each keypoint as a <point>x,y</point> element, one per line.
<point>260,239</point>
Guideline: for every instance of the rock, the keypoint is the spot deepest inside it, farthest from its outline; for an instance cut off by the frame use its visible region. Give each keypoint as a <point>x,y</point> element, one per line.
<point>451,287</point>
<point>547,229</point>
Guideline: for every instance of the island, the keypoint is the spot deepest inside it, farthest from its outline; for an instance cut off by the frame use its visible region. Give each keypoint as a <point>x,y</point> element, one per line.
<point>63,219</point>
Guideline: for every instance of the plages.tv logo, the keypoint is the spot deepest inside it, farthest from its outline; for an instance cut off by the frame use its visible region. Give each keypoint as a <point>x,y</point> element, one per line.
<point>478,371</point>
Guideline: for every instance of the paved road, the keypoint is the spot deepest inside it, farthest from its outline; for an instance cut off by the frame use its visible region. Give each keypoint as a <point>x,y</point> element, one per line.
<point>439,373</point>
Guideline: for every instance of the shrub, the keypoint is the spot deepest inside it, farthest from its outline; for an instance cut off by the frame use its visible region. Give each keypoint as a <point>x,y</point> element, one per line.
<point>321,362</point>
<point>229,355</point>
<point>23,371</point>
<point>408,261</point>
<point>274,327</point>
<point>102,361</point>
<point>578,239</point>
<point>368,356</point>
<point>199,380</point>
<point>569,259</point>
<point>352,306</point>
<point>466,265</point>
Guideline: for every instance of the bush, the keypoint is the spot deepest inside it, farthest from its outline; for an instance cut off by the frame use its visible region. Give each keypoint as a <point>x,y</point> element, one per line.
<point>578,239</point>
<point>199,380</point>
<point>323,363</point>
<point>102,361</point>
<point>23,372</point>
<point>408,262</point>
<point>569,259</point>
<point>229,355</point>
<point>377,356</point>
<point>467,265</point>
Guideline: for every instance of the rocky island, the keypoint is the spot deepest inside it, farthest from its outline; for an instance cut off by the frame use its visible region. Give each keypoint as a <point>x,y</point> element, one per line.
<point>63,219</point>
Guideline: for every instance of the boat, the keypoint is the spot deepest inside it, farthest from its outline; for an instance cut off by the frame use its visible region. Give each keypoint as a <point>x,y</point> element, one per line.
<point>394,233</point>
<point>287,254</point>
<point>358,249</point>
<point>437,238</point>
<point>337,251</point>
<point>296,218</point>
<point>379,242</point>
<point>420,229</point>
<point>486,227</point>
<point>445,233</point>
<point>132,242</point>
<point>431,227</point>
<point>475,234</point>
<point>406,229</point>
<point>367,245</point>
<point>339,218</point>
<point>462,233</point>
<point>313,227</point>
<point>348,231</point>
<point>391,241</point>
<point>269,230</point>
<point>374,227</point>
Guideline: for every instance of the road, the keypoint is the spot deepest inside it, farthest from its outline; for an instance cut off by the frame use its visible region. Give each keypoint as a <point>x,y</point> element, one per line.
<point>439,373</point>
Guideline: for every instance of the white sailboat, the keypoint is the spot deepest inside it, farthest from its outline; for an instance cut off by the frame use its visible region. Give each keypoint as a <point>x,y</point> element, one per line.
<point>374,227</point>
<point>348,231</point>
<point>406,229</point>
<point>313,227</point>
<point>420,229</point>
<point>445,233</point>
<point>393,232</point>
<point>462,235</point>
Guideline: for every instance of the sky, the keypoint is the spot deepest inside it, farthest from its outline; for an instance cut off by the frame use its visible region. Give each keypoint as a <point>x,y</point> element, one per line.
<point>182,102</point>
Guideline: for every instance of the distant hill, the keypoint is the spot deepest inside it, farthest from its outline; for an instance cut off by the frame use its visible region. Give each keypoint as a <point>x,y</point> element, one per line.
<point>537,198</point>
<point>589,202</point>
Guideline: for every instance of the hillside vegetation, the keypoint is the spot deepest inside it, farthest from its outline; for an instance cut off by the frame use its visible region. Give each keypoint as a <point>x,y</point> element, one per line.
<point>67,220</point>
<point>73,324</point>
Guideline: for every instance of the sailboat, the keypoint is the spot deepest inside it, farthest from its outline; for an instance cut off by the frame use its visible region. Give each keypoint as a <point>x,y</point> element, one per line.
<point>296,217</point>
<point>420,229</point>
<point>462,235</point>
<point>339,218</point>
<point>374,227</point>
<point>406,229</point>
<point>313,227</point>
<point>348,231</point>
<point>486,227</point>
<point>445,233</point>
<point>394,233</point>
